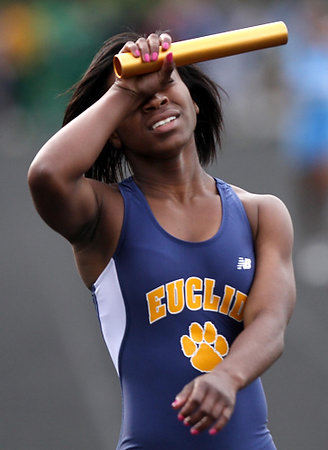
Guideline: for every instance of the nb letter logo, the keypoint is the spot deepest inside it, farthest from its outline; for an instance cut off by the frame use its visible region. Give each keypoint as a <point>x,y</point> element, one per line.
<point>244,263</point>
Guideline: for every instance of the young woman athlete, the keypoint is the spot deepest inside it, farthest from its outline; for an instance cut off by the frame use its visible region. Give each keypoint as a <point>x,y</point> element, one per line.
<point>192,278</point>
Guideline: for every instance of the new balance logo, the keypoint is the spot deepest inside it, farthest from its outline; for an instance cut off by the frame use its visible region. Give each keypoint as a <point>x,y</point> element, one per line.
<point>244,263</point>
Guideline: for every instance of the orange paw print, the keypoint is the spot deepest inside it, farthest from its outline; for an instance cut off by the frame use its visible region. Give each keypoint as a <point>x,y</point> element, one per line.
<point>205,347</point>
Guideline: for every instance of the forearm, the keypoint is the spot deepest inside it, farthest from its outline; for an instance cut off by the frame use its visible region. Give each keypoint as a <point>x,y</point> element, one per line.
<point>254,350</point>
<point>75,147</point>
<point>210,398</point>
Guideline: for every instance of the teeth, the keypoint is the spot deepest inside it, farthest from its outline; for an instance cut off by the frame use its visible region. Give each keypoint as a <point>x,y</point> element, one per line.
<point>163,122</point>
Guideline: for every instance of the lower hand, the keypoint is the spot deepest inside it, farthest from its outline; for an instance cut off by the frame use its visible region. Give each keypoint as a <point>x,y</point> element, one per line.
<point>206,401</point>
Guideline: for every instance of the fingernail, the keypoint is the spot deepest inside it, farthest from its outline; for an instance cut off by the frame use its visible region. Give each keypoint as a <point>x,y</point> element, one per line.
<point>176,401</point>
<point>213,431</point>
<point>154,56</point>
<point>193,431</point>
<point>186,422</point>
<point>137,52</point>
<point>169,57</point>
<point>180,417</point>
<point>146,57</point>
<point>165,45</point>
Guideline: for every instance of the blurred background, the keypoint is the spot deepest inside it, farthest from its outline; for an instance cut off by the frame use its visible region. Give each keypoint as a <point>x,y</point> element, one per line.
<point>59,388</point>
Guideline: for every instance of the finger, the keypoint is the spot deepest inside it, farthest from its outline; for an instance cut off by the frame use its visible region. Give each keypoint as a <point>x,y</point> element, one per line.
<point>182,397</point>
<point>203,417</point>
<point>194,400</point>
<point>153,42</point>
<point>165,41</point>
<point>132,47</point>
<point>222,421</point>
<point>204,423</point>
<point>144,49</point>
<point>167,68</point>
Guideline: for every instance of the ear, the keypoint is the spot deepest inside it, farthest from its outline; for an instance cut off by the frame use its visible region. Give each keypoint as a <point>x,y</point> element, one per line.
<point>115,140</point>
<point>196,107</point>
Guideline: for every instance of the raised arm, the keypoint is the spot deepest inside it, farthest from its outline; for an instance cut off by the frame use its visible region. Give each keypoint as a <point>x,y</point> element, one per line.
<point>65,199</point>
<point>267,311</point>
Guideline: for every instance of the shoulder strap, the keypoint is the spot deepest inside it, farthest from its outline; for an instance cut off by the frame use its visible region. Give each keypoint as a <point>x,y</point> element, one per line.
<point>233,203</point>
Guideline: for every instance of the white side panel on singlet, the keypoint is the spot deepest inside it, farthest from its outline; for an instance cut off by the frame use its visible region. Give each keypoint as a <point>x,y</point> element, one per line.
<point>111,310</point>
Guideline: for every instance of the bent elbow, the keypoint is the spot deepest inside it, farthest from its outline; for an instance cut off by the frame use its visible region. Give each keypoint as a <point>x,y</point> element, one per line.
<point>41,179</point>
<point>35,174</point>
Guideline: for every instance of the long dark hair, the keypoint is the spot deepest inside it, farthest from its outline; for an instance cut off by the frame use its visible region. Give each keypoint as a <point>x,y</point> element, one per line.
<point>111,165</point>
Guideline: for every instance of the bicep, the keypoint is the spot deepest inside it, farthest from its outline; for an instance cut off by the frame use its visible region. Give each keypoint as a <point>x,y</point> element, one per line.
<point>71,208</point>
<point>273,288</point>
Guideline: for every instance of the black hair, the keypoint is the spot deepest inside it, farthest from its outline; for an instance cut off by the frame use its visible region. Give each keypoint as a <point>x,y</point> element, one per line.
<point>111,164</point>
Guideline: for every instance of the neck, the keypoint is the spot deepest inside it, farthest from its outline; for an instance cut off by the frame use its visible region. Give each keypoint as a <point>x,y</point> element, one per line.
<point>180,177</point>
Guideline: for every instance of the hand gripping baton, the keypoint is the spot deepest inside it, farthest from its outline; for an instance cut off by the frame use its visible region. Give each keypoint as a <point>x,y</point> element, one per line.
<point>205,48</point>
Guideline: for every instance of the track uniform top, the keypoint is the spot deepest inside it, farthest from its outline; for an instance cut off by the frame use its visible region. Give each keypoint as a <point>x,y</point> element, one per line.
<point>169,310</point>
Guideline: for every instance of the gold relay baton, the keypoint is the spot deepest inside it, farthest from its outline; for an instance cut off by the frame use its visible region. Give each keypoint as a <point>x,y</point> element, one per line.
<point>205,48</point>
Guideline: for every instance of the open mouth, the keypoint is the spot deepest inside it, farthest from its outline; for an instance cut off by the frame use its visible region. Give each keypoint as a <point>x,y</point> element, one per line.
<point>161,123</point>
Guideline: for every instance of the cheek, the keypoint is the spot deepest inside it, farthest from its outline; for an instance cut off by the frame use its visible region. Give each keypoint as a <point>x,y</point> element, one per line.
<point>128,132</point>
<point>192,115</point>
<point>190,107</point>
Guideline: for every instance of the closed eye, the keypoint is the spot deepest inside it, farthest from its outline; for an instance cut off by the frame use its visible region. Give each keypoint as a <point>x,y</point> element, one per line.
<point>171,80</point>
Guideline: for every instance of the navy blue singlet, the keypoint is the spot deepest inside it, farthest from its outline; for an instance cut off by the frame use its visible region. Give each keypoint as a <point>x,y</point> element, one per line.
<point>169,310</point>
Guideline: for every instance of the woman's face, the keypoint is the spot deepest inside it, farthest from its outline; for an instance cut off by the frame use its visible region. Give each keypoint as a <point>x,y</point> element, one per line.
<point>164,125</point>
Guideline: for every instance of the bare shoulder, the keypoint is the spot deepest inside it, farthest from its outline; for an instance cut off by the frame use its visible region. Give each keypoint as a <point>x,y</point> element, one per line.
<point>264,211</point>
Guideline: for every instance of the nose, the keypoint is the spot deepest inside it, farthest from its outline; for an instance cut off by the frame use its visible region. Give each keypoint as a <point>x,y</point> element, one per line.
<point>155,102</point>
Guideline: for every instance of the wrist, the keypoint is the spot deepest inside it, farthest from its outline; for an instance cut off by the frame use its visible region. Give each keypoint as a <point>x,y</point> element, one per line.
<point>234,373</point>
<point>119,86</point>
<point>124,91</point>
<point>121,103</point>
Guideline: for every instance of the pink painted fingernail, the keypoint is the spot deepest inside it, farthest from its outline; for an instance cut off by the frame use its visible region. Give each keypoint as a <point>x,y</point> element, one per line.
<point>174,403</point>
<point>154,56</point>
<point>180,417</point>
<point>165,45</point>
<point>169,57</point>
<point>193,431</point>
<point>137,52</point>
<point>146,57</point>
<point>213,431</point>
<point>185,422</point>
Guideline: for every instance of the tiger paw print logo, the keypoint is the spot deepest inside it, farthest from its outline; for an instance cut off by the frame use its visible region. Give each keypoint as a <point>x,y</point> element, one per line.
<point>205,347</point>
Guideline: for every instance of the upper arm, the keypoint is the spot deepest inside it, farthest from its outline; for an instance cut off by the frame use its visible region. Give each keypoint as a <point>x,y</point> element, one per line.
<point>70,207</point>
<point>273,288</point>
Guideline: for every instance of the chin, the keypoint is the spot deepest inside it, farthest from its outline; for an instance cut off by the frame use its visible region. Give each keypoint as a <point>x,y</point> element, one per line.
<point>175,146</point>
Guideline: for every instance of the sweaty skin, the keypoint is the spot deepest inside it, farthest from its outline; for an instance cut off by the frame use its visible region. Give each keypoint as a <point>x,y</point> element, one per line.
<point>185,202</point>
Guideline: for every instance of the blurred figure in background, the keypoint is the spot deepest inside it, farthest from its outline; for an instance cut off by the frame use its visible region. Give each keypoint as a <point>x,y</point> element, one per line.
<point>188,18</point>
<point>305,135</point>
<point>17,47</point>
